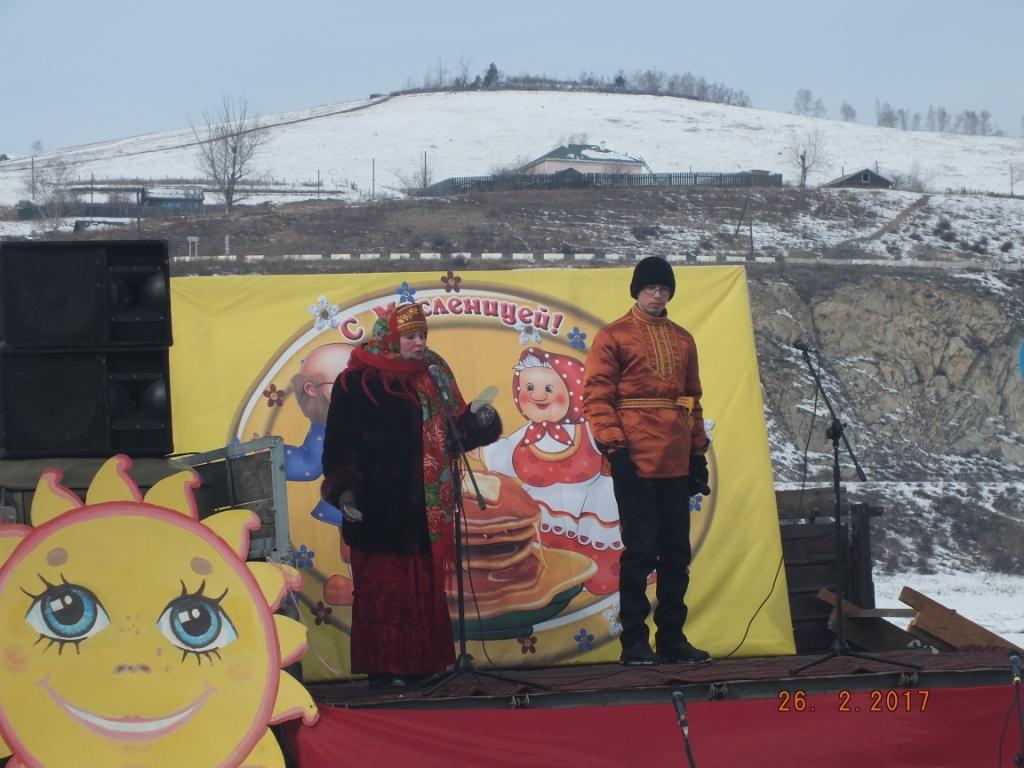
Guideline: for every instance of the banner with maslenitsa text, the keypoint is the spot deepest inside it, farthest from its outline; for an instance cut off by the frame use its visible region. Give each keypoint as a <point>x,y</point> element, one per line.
<point>251,357</point>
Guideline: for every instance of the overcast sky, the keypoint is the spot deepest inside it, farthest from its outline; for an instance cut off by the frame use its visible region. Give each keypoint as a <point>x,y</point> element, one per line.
<point>77,71</point>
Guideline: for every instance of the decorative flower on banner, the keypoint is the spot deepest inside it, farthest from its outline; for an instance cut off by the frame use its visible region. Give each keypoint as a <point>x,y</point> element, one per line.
<point>325,314</point>
<point>451,282</point>
<point>321,612</point>
<point>406,293</point>
<point>584,640</point>
<point>611,615</point>
<point>304,557</point>
<point>527,334</point>
<point>274,396</point>
<point>527,644</point>
<point>695,503</point>
<point>577,338</point>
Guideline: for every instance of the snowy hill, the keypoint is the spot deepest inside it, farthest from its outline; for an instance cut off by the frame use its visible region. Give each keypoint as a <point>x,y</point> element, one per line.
<point>471,133</point>
<point>956,414</point>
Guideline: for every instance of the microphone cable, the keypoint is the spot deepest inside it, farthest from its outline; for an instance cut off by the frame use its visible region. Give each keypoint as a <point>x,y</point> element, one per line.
<point>782,558</point>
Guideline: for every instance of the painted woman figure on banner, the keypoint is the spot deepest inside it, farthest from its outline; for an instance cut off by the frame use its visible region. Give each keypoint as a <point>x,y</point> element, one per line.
<point>555,457</point>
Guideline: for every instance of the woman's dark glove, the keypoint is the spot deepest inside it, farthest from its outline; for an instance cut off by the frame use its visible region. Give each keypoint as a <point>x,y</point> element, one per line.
<point>699,475</point>
<point>623,468</point>
<point>485,416</point>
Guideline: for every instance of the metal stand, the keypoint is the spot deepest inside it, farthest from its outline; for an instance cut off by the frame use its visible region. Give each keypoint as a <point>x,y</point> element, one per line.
<point>835,433</point>
<point>1018,759</point>
<point>464,662</point>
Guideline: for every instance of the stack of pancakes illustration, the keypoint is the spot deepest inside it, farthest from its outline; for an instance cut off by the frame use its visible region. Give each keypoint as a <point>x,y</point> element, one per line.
<point>505,567</point>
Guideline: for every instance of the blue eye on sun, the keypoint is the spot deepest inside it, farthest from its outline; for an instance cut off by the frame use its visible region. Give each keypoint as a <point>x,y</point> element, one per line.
<point>197,624</point>
<point>66,613</point>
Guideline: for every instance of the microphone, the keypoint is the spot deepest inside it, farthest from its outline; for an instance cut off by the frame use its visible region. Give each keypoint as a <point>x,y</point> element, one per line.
<point>680,704</point>
<point>803,346</point>
<point>1015,667</point>
<point>435,374</point>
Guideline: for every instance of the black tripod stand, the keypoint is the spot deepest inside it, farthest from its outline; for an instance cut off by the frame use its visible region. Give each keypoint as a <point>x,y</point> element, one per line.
<point>835,433</point>
<point>464,662</point>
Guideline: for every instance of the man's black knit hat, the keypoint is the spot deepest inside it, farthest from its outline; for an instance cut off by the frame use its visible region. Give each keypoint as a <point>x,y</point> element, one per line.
<point>653,270</point>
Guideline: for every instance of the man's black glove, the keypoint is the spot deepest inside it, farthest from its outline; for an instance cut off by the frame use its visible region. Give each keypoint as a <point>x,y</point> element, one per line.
<point>699,475</point>
<point>623,468</point>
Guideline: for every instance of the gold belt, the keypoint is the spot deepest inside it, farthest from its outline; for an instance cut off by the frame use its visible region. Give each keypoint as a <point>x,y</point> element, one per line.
<point>684,403</point>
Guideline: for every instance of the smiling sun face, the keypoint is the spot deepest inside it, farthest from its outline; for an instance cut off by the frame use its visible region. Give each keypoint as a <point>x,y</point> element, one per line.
<point>137,635</point>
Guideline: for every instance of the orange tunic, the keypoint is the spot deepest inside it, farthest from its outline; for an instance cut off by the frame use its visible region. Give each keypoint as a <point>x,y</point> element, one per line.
<point>641,391</point>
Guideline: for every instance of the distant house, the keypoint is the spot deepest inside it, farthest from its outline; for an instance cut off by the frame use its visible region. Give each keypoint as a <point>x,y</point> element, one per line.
<point>177,199</point>
<point>863,179</point>
<point>584,158</point>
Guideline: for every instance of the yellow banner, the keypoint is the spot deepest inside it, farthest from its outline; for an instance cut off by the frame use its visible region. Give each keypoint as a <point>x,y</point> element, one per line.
<point>251,355</point>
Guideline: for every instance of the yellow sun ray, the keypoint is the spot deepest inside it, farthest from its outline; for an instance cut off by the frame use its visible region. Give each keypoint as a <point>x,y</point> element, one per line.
<point>293,700</point>
<point>175,492</point>
<point>266,754</point>
<point>113,483</point>
<point>4,749</point>
<point>233,525</point>
<point>10,537</point>
<point>51,499</point>
<point>291,639</point>
<point>274,581</point>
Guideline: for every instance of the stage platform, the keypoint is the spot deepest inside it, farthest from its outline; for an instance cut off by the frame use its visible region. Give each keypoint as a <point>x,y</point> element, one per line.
<point>847,711</point>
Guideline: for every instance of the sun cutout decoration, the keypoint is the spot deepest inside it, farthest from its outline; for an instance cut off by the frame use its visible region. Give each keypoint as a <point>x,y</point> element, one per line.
<point>132,634</point>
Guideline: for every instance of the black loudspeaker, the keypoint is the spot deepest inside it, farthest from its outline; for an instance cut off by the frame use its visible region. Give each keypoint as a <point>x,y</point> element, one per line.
<point>85,294</point>
<point>94,402</point>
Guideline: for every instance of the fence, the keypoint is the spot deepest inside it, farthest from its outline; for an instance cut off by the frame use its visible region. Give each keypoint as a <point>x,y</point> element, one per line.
<point>574,180</point>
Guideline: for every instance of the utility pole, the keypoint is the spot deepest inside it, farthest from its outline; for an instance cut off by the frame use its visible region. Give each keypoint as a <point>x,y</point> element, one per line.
<point>373,177</point>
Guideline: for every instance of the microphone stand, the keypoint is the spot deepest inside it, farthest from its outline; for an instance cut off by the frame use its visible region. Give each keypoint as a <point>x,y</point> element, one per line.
<point>464,662</point>
<point>835,433</point>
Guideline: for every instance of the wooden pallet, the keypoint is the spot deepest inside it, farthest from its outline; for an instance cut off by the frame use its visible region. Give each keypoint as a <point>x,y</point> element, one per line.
<point>931,623</point>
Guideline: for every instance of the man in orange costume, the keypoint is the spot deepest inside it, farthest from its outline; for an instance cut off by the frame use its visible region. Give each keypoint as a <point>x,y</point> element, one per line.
<point>642,398</point>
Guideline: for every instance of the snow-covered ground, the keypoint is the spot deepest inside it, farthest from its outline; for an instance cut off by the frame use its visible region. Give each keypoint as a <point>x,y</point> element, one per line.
<point>364,145</point>
<point>995,601</point>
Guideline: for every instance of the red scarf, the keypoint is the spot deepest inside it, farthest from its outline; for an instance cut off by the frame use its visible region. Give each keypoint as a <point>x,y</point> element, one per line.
<point>380,357</point>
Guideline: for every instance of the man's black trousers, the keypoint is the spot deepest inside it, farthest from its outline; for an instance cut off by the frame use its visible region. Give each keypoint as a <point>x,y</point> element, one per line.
<point>654,515</point>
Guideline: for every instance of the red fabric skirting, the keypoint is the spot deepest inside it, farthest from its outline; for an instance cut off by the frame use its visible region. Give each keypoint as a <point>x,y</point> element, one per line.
<point>958,727</point>
<point>400,622</point>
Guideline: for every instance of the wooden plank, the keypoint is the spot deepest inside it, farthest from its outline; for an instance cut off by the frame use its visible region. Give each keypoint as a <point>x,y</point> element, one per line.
<point>854,611</point>
<point>866,628</point>
<point>945,628</point>
<point>872,633</point>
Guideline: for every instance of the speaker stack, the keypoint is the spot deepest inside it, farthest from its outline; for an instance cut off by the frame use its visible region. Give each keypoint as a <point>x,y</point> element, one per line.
<point>85,329</point>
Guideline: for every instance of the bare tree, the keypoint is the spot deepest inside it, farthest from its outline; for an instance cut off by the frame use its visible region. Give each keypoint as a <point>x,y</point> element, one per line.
<point>462,78</point>
<point>48,187</point>
<point>803,103</point>
<point>228,142</point>
<point>807,154</point>
<point>1016,175</point>
<point>419,179</point>
<point>848,113</point>
<point>885,114</point>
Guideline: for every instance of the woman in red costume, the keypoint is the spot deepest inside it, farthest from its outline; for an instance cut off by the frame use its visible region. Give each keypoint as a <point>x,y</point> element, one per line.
<point>388,468</point>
